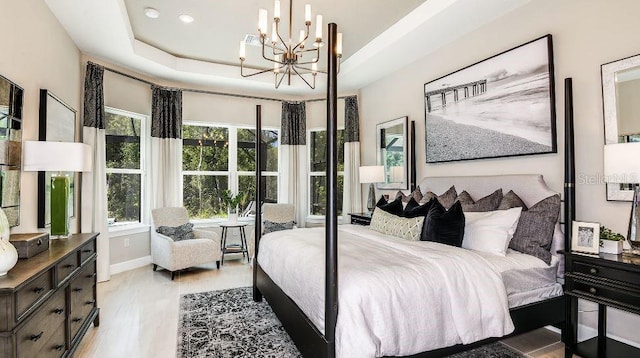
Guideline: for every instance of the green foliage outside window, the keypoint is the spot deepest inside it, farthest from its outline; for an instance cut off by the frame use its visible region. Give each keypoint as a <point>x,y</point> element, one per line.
<point>318,182</point>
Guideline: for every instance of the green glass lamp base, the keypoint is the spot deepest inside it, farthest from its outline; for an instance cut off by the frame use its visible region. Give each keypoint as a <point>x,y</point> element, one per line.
<point>60,205</point>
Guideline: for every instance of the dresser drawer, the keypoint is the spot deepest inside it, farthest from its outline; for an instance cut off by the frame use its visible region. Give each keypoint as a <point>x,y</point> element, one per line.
<point>597,271</point>
<point>55,347</point>
<point>66,267</point>
<point>611,294</point>
<point>86,251</point>
<point>82,290</point>
<point>31,293</point>
<point>41,326</point>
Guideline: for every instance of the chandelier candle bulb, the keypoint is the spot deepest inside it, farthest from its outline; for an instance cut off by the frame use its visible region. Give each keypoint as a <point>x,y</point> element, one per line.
<point>276,67</point>
<point>339,44</point>
<point>242,50</point>
<point>314,68</point>
<point>274,33</point>
<point>276,10</point>
<point>319,28</point>
<point>307,14</point>
<point>262,21</point>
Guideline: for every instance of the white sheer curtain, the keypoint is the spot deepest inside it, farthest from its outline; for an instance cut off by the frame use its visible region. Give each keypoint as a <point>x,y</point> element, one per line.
<point>293,159</point>
<point>94,184</point>
<point>352,198</point>
<point>166,148</point>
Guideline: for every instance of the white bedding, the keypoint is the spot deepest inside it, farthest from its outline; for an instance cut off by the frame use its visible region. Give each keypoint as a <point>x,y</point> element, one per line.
<point>395,297</point>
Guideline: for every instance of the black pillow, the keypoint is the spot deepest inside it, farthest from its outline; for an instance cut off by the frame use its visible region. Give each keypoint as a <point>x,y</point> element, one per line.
<point>444,226</point>
<point>414,210</point>
<point>393,207</point>
<point>382,201</point>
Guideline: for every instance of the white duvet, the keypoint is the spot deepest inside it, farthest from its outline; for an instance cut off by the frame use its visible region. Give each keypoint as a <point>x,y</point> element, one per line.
<point>395,297</point>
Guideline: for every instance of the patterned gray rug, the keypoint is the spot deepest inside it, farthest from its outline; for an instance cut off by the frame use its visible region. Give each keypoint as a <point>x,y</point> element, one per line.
<point>227,323</point>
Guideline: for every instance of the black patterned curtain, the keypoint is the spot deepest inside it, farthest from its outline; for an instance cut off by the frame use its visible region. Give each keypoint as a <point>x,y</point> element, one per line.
<point>166,113</point>
<point>94,96</point>
<point>352,197</point>
<point>294,123</point>
<point>351,120</point>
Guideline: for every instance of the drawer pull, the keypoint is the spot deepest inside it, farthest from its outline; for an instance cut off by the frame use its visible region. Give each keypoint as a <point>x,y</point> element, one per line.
<point>35,337</point>
<point>593,271</point>
<point>78,319</point>
<point>86,251</point>
<point>39,242</point>
<point>58,311</point>
<point>592,290</point>
<point>69,266</point>
<point>91,302</point>
<point>59,347</point>
<point>77,289</point>
<point>38,290</point>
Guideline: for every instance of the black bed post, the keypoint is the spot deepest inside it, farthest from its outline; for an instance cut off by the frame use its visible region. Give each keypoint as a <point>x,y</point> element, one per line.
<point>412,156</point>
<point>569,164</point>
<point>257,295</point>
<point>331,228</point>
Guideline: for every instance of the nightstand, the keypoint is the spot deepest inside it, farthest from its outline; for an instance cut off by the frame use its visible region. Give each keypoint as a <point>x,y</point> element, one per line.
<point>609,280</point>
<point>360,218</point>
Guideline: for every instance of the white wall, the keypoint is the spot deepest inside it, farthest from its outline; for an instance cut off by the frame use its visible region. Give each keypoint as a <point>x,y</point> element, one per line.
<point>586,34</point>
<point>37,53</point>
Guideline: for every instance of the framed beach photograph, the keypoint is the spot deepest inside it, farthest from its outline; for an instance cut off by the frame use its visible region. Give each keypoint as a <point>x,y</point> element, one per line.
<point>499,107</point>
<point>585,237</point>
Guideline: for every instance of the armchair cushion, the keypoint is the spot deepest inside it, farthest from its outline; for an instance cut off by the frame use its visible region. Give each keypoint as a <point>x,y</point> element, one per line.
<point>179,233</point>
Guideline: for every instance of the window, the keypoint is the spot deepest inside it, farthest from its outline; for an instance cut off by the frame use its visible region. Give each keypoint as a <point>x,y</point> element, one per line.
<point>317,171</point>
<point>216,158</point>
<point>125,166</point>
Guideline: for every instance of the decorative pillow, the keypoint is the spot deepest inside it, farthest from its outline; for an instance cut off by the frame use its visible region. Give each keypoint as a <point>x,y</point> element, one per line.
<point>511,200</point>
<point>381,201</point>
<point>405,228</point>
<point>488,203</point>
<point>445,227</point>
<point>535,229</point>
<point>490,231</point>
<point>446,199</point>
<point>400,195</point>
<point>270,226</point>
<point>414,210</point>
<point>392,207</point>
<point>182,232</point>
<point>415,194</point>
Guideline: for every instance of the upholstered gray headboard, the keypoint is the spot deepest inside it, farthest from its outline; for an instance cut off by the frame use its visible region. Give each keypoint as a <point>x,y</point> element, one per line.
<point>531,188</point>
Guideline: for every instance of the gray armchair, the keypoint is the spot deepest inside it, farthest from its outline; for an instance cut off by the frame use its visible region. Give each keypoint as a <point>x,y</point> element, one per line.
<point>178,255</point>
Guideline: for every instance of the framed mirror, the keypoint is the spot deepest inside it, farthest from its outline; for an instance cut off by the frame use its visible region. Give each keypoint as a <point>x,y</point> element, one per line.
<point>11,97</point>
<point>620,90</point>
<point>391,145</point>
<point>57,124</point>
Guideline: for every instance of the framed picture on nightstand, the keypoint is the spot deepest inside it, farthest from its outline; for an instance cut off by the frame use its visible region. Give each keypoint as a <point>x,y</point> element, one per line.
<point>586,237</point>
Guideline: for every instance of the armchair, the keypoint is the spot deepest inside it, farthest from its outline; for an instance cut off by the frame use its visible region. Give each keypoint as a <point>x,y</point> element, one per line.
<point>276,213</point>
<point>178,255</point>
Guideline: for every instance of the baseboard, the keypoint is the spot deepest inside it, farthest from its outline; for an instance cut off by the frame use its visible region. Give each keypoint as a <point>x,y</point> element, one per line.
<point>586,332</point>
<point>130,265</point>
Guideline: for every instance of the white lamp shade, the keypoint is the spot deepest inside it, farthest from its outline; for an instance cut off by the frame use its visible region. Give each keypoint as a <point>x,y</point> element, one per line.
<point>622,163</point>
<point>372,174</point>
<point>56,156</point>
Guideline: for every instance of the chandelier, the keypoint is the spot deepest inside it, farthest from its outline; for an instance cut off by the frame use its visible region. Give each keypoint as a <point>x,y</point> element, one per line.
<point>289,58</point>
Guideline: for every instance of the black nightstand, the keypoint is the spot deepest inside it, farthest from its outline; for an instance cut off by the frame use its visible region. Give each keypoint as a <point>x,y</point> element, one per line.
<point>360,218</point>
<point>609,280</point>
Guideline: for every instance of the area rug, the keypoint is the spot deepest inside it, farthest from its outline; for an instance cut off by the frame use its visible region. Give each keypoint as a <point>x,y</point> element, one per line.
<point>227,323</point>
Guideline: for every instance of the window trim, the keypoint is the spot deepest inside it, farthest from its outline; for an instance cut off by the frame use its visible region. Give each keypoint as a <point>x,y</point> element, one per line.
<point>144,185</point>
<point>310,217</point>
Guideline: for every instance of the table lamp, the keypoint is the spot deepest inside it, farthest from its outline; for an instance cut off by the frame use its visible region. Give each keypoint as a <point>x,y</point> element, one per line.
<point>371,174</point>
<point>60,157</point>
<point>622,166</point>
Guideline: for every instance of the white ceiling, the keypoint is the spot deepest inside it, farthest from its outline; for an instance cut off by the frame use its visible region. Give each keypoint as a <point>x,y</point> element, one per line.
<point>380,36</point>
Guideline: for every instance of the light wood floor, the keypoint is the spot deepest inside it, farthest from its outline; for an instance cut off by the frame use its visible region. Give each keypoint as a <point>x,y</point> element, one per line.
<point>139,313</point>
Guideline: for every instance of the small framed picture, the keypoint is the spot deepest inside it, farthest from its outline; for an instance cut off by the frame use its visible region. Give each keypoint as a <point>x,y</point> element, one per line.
<point>586,237</point>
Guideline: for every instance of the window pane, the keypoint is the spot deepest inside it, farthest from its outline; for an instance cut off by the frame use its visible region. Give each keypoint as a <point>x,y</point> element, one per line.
<point>319,151</point>
<point>247,151</point>
<point>123,197</point>
<point>318,190</point>
<point>123,141</point>
<point>202,195</point>
<point>247,184</point>
<point>205,148</point>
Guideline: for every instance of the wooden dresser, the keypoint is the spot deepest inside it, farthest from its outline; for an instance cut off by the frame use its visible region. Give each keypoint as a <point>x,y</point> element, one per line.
<point>48,302</point>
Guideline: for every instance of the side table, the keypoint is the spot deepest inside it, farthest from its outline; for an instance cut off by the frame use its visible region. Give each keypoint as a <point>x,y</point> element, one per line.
<point>360,218</point>
<point>234,249</point>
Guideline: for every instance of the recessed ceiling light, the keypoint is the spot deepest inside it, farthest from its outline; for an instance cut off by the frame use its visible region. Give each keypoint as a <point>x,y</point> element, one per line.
<point>151,12</point>
<point>186,19</point>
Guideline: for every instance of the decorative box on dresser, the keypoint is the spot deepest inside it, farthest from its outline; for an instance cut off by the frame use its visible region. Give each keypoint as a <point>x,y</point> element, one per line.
<point>609,280</point>
<point>48,302</point>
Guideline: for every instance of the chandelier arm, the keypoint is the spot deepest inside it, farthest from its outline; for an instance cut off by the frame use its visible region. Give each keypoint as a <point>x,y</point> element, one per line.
<point>264,56</point>
<point>300,44</point>
<point>275,47</point>
<point>304,79</point>
<point>252,74</point>
<point>279,82</point>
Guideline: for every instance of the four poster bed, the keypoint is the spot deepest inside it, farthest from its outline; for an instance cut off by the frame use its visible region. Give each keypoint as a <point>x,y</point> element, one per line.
<point>399,297</point>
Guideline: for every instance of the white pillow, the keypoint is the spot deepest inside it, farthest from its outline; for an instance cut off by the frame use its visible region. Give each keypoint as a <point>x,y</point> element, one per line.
<point>490,231</point>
